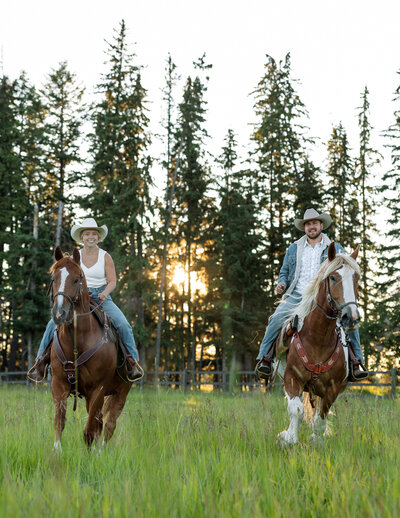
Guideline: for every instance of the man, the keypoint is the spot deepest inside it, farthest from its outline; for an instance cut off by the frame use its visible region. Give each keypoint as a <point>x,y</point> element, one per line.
<point>300,266</point>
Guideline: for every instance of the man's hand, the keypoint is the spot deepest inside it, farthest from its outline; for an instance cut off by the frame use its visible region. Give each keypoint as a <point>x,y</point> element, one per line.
<point>280,288</point>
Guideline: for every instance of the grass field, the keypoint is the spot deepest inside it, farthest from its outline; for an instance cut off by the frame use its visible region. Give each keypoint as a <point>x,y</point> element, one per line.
<point>197,455</point>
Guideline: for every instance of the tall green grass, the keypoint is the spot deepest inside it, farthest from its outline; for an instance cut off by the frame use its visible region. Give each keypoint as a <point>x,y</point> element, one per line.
<point>197,455</point>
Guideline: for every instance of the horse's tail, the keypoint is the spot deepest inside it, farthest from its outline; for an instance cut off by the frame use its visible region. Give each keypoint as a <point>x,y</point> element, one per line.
<point>309,410</point>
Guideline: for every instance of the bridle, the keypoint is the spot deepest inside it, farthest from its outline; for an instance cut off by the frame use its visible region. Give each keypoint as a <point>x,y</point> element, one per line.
<point>71,300</point>
<point>334,305</point>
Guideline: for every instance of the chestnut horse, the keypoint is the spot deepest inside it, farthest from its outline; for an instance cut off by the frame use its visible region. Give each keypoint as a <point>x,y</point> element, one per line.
<point>316,360</point>
<point>81,336</point>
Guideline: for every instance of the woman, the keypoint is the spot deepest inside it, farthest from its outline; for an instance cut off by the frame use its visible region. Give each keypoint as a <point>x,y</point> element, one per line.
<point>99,270</point>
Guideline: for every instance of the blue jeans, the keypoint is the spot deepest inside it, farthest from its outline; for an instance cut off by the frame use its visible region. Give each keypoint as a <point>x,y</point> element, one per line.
<point>281,314</point>
<point>116,317</point>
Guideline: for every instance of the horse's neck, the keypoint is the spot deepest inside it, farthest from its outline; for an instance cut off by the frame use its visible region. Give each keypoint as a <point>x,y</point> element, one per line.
<point>321,328</point>
<point>85,322</point>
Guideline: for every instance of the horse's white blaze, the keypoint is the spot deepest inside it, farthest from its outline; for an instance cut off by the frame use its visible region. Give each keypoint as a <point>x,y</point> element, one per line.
<point>64,275</point>
<point>295,409</point>
<point>348,288</point>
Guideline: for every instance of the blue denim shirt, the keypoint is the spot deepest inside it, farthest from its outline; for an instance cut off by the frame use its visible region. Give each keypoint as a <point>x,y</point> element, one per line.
<point>290,271</point>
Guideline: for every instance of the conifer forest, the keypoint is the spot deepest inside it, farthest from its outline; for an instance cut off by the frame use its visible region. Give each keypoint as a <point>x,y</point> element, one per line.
<point>198,245</point>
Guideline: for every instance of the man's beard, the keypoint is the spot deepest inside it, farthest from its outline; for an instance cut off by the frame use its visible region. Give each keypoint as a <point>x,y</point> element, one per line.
<point>316,235</point>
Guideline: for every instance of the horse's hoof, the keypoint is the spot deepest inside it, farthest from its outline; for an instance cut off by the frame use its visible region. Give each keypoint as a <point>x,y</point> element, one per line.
<point>97,449</point>
<point>57,447</point>
<point>285,440</point>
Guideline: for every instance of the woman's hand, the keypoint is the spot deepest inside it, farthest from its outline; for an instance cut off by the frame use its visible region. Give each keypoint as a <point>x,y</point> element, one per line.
<point>102,296</point>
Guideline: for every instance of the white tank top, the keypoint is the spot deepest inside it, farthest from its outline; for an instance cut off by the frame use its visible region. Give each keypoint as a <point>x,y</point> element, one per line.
<point>96,274</point>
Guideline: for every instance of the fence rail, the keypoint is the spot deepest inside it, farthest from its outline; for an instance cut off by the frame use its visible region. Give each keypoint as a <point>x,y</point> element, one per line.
<point>220,380</point>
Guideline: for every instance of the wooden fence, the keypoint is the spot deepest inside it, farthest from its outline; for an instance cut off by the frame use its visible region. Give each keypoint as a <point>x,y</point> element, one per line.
<point>222,380</point>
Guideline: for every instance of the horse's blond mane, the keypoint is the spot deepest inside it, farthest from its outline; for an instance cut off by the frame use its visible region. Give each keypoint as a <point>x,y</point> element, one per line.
<point>308,300</point>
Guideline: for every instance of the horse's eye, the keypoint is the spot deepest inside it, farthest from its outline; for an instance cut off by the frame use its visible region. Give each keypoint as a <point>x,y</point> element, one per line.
<point>76,281</point>
<point>332,278</point>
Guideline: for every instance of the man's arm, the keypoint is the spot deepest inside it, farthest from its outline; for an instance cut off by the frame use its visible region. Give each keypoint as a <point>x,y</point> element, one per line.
<point>283,275</point>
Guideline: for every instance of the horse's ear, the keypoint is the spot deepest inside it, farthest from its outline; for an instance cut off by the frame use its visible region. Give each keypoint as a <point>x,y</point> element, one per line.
<point>354,255</point>
<point>76,256</point>
<point>331,251</point>
<point>58,254</point>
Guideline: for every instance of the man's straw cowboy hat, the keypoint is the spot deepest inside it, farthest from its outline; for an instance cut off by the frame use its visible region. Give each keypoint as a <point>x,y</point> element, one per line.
<point>311,214</point>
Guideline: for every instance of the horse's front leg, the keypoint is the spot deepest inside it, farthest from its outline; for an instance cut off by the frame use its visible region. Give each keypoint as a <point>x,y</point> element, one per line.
<point>94,425</point>
<point>293,391</point>
<point>319,424</point>
<point>60,392</point>
<point>295,410</point>
<point>112,408</point>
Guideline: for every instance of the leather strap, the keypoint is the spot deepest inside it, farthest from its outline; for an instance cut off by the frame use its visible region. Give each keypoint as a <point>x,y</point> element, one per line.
<point>71,366</point>
<point>315,368</point>
<point>84,357</point>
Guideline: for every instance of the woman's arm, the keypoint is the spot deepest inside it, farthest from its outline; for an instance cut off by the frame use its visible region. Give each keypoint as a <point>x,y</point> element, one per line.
<point>111,277</point>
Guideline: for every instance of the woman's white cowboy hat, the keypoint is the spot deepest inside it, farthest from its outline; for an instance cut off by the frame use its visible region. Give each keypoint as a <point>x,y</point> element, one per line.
<point>88,224</point>
<point>311,214</point>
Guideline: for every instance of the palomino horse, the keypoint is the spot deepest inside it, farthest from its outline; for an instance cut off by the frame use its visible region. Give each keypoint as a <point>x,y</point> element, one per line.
<point>316,358</point>
<point>81,335</point>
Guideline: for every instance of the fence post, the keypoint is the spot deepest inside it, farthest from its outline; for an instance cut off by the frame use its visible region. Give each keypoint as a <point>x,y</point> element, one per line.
<point>393,373</point>
<point>183,380</point>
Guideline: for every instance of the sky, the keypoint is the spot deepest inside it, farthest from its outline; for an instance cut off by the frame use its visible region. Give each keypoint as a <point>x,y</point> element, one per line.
<point>337,48</point>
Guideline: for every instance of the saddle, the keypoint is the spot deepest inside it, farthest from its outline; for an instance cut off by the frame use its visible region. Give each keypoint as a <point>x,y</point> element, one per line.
<point>115,337</point>
<point>283,340</point>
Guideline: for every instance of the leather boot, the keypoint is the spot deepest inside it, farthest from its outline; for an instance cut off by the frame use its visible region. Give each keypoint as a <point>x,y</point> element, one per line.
<point>264,368</point>
<point>38,372</point>
<point>135,371</point>
<point>357,373</point>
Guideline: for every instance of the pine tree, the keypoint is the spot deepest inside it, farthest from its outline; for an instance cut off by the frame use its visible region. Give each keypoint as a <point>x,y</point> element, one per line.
<point>11,186</point>
<point>63,100</point>
<point>120,179</point>
<point>235,265</point>
<point>389,257</point>
<point>33,243</point>
<point>368,157</point>
<point>166,211</point>
<point>192,202</point>
<point>308,192</point>
<point>21,123</point>
<point>279,155</point>
<point>341,193</point>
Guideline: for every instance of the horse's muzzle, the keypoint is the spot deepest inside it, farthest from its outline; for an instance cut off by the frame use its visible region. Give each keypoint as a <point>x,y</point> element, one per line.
<point>350,318</point>
<point>59,315</point>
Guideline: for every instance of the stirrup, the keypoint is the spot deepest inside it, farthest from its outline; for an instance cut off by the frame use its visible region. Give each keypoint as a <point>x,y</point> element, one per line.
<point>33,368</point>
<point>129,372</point>
<point>261,373</point>
<point>362,375</point>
